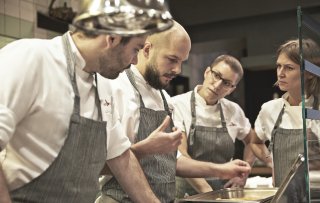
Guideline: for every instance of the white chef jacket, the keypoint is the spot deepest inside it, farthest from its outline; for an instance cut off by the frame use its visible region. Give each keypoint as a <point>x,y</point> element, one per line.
<point>36,103</point>
<point>238,125</point>
<point>291,119</point>
<point>127,101</point>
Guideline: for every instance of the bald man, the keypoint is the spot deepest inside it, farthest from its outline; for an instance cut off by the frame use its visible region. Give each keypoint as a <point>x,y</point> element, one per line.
<point>144,107</point>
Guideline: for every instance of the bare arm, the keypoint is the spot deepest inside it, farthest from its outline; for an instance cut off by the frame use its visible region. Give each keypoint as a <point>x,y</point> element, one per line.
<point>249,157</point>
<point>191,168</point>
<point>248,154</point>
<point>4,192</point>
<point>199,184</point>
<point>130,176</point>
<point>158,142</point>
<point>260,150</point>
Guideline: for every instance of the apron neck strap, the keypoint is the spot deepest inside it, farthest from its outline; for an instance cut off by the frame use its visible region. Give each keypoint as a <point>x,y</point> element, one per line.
<point>72,75</point>
<point>71,72</point>
<point>194,114</point>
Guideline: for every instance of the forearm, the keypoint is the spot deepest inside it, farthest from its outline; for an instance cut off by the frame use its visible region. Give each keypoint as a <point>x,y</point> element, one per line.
<point>190,168</point>
<point>248,155</point>
<point>139,149</point>
<point>4,192</point>
<point>129,174</point>
<point>199,184</point>
<point>262,153</point>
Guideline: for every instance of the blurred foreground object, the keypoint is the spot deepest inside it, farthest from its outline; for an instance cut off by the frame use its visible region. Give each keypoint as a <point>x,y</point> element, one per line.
<point>123,17</point>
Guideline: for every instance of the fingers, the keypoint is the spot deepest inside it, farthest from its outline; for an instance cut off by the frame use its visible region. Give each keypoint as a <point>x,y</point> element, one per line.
<point>175,137</point>
<point>244,167</point>
<point>165,123</point>
<point>177,134</point>
<point>228,184</point>
<point>242,163</point>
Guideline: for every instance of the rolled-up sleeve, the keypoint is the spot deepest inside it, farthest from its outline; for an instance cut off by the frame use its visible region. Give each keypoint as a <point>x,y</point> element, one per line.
<point>117,141</point>
<point>7,125</point>
<point>17,89</point>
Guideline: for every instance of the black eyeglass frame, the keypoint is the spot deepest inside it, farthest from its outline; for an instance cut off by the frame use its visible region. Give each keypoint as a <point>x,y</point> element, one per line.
<point>216,76</point>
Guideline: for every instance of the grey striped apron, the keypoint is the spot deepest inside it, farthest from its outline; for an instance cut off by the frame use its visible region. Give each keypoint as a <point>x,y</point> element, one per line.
<point>285,145</point>
<point>209,144</point>
<point>73,175</point>
<point>159,169</point>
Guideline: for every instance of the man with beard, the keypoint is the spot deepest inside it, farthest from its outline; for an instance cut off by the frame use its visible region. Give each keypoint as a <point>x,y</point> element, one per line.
<point>144,106</point>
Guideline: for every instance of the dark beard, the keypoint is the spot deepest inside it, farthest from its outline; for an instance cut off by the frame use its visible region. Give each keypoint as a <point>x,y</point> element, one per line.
<point>152,77</point>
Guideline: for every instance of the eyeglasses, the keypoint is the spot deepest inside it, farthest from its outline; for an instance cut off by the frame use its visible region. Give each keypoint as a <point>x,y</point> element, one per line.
<point>216,76</point>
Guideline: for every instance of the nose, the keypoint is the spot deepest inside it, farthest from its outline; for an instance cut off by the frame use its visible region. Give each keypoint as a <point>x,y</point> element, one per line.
<point>218,84</point>
<point>281,71</point>
<point>177,69</point>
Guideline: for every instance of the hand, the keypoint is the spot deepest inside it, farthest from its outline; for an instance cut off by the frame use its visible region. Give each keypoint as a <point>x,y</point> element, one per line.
<point>235,168</point>
<point>159,142</point>
<point>236,182</point>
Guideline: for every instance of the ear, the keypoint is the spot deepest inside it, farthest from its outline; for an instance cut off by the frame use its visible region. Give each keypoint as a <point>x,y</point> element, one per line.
<point>146,49</point>
<point>113,40</point>
<point>207,72</point>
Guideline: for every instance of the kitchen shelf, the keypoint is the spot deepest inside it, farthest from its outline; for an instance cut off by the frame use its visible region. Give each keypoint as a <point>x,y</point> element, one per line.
<point>46,22</point>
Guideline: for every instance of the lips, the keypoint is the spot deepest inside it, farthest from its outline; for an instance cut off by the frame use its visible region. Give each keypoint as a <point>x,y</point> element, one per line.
<point>213,91</point>
<point>169,77</point>
<point>281,82</point>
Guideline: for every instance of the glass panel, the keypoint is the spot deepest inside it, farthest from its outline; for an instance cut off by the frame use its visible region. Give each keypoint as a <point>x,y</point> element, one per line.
<point>309,28</point>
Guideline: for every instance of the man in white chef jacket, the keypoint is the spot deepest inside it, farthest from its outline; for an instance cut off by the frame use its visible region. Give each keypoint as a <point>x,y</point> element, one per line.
<point>57,130</point>
<point>143,106</point>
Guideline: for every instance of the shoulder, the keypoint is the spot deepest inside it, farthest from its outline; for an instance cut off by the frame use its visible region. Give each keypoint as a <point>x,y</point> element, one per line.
<point>121,83</point>
<point>270,110</point>
<point>31,46</point>
<point>273,105</point>
<point>230,105</point>
<point>29,56</point>
<point>33,51</point>
<point>182,97</point>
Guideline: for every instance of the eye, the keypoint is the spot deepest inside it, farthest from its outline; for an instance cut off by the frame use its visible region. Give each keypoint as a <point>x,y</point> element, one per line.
<point>290,68</point>
<point>227,83</point>
<point>173,60</point>
<point>136,50</point>
<point>216,75</point>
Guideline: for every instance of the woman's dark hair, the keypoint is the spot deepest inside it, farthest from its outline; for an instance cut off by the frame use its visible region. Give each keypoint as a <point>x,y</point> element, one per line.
<point>311,53</point>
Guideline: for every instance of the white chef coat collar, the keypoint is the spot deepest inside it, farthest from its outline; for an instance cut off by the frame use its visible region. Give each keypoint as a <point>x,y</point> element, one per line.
<point>138,76</point>
<point>80,63</point>
<point>308,101</point>
<point>200,100</point>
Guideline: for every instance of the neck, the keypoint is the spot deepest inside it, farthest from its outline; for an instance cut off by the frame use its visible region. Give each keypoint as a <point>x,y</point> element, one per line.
<point>141,67</point>
<point>294,99</point>
<point>84,46</point>
<point>209,101</point>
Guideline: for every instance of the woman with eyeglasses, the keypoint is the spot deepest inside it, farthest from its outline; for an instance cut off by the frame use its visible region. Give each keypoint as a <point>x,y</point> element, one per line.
<point>211,123</point>
<point>280,120</point>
